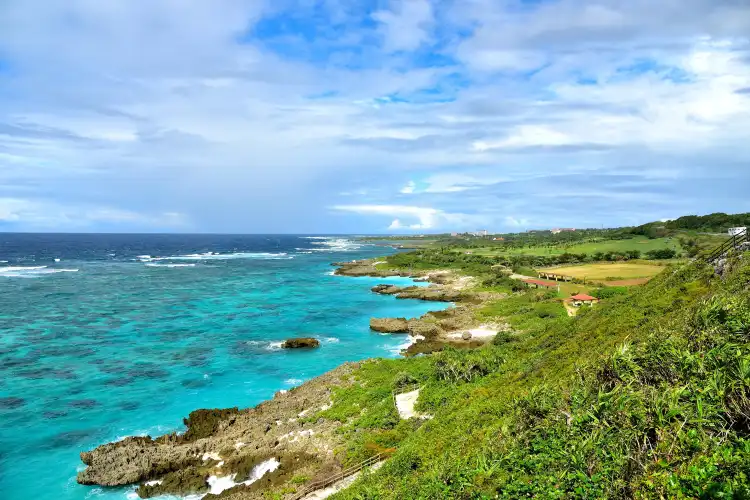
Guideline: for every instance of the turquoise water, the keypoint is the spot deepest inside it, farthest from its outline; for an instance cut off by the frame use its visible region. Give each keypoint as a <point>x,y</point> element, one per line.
<point>125,335</point>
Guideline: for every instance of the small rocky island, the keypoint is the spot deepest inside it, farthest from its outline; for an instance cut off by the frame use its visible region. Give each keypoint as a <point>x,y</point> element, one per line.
<point>301,343</point>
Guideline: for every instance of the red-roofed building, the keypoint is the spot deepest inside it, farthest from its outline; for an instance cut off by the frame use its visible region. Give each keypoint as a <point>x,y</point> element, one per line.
<point>582,298</point>
<point>539,283</point>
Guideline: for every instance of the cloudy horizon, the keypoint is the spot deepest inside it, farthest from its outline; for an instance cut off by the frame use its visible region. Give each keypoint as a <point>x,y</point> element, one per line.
<point>370,116</point>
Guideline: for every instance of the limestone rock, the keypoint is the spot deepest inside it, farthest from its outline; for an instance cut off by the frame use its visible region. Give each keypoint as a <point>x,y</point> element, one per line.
<point>389,325</point>
<point>386,289</point>
<point>300,343</point>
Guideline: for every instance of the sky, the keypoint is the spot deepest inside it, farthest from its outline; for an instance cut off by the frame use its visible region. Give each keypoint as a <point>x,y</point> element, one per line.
<point>370,116</point>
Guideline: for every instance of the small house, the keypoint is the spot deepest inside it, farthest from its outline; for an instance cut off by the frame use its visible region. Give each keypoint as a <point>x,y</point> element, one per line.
<point>532,283</point>
<point>583,299</point>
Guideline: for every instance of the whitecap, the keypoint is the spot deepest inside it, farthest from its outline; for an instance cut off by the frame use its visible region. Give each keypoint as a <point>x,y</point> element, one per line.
<point>156,430</point>
<point>226,256</point>
<point>264,344</point>
<point>220,484</point>
<point>57,260</point>
<point>31,271</point>
<point>169,265</point>
<point>330,340</point>
<point>400,347</point>
<point>293,381</point>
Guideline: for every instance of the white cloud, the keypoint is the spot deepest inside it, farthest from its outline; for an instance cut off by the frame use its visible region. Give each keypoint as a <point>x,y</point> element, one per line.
<point>163,106</point>
<point>46,216</point>
<point>406,26</point>
<point>409,188</point>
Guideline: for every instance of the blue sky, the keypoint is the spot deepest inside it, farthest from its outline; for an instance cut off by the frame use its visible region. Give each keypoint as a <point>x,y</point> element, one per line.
<point>370,116</point>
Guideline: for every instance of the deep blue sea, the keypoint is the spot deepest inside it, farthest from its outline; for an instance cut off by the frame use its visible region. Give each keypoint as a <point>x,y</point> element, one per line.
<point>107,336</point>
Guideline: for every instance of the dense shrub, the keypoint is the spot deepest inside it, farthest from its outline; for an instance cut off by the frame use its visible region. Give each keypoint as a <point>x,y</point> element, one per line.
<point>644,396</point>
<point>664,253</point>
<point>456,366</point>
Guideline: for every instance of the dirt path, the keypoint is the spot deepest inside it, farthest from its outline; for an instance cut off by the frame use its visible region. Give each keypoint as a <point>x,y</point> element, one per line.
<point>572,310</point>
<point>405,404</point>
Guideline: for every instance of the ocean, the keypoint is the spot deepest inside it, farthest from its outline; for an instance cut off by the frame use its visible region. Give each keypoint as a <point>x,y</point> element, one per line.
<point>108,336</point>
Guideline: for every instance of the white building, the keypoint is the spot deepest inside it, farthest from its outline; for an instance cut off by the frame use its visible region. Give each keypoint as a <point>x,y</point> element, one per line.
<point>734,231</point>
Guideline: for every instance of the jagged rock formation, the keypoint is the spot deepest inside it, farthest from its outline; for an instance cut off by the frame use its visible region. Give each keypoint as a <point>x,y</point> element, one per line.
<point>229,442</point>
<point>389,325</point>
<point>300,343</point>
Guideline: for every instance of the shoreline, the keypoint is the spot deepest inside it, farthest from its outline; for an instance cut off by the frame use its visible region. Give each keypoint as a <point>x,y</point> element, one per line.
<point>214,444</point>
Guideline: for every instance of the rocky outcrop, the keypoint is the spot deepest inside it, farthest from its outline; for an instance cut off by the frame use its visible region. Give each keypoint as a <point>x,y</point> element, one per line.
<point>301,343</point>
<point>389,325</point>
<point>386,289</point>
<point>225,443</point>
<point>365,268</point>
<point>432,293</point>
<point>423,328</point>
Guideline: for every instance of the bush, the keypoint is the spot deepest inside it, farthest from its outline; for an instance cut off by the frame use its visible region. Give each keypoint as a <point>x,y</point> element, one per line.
<point>548,310</point>
<point>456,366</point>
<point>664,253</point>
<point>609,291</point>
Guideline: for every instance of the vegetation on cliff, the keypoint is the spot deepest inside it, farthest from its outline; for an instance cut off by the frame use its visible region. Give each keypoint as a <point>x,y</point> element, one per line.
<point>645,395</point>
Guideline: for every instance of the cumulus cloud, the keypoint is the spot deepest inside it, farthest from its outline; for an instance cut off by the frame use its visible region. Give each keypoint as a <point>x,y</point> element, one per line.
<point>222,111</point>
<point>406,25</point>
<point>409,188</point>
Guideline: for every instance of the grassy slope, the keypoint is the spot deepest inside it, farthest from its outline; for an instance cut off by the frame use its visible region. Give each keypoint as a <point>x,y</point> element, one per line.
<point>663,408</point>
<point>637,243</point>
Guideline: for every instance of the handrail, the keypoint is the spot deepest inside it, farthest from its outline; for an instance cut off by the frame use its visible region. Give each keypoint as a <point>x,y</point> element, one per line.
<point>324,483</point>
<point>407,388</point>
<point>733,242</point>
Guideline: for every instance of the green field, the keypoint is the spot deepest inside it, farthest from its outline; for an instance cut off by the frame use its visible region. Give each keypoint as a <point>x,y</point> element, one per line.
<point>605,271</point>
<point>641,243</point>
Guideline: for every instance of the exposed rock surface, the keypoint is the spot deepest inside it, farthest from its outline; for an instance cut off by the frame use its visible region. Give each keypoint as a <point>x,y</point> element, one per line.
<point>225,443</point>
<point>386,289</point>
<point>365,268</point>
<point>389,325</point>
<point>300,343</point>
<point>433,293</point>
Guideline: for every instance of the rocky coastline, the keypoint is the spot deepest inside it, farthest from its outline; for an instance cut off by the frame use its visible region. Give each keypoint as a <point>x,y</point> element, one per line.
<point>290,431</point>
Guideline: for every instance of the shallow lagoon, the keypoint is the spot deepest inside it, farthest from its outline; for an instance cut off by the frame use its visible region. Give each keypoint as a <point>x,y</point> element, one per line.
<point>151,327</point>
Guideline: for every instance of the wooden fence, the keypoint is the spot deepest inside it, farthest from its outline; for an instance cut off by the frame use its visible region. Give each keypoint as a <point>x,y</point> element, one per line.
<point>335,478</point>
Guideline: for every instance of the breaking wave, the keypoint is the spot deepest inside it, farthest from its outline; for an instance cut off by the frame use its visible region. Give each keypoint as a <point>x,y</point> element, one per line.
<point>152,264</point>
<point>31,271</point>
<point>331,244</point>
<point>219,256</point>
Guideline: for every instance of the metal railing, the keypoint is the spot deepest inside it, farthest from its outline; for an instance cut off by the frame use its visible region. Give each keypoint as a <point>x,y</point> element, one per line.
<point>335,478</point>
<point>733,242</point>
<point>404,389</point>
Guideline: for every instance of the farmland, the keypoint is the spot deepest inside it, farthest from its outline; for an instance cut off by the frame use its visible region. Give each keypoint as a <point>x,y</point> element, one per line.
<point>609,271</point>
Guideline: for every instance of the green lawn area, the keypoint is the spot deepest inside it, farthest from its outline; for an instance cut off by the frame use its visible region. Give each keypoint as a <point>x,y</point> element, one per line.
<point>641,243</point>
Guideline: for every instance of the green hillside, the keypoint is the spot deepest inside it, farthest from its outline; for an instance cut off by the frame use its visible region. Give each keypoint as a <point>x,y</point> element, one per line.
<point>646,395</point>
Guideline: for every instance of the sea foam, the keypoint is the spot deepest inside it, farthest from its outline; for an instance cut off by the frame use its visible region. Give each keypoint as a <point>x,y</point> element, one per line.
<point>220,256</point>
<point>169,265</point>
<point>31,271</point>
<point>219,484</point>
